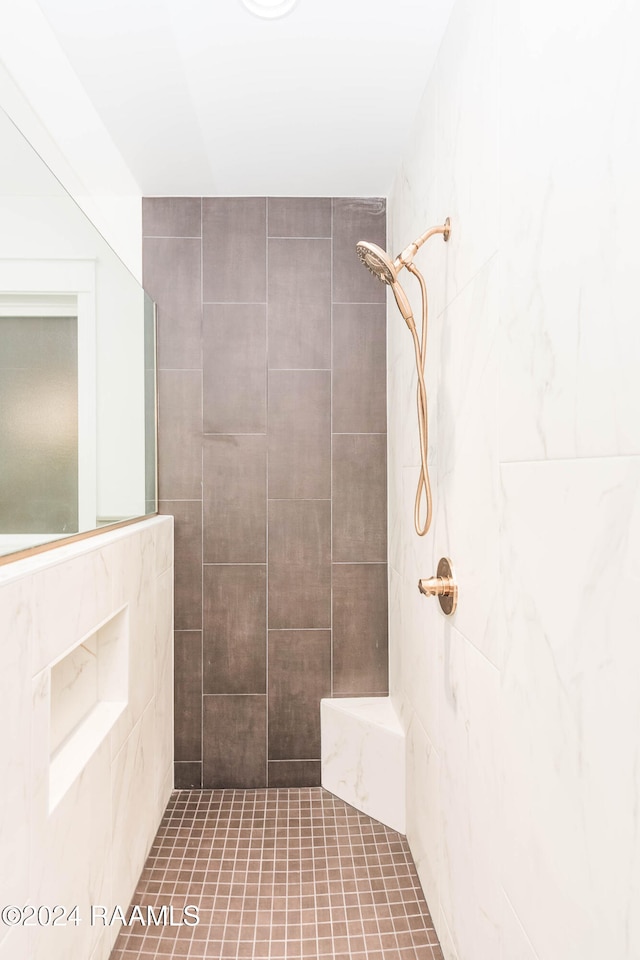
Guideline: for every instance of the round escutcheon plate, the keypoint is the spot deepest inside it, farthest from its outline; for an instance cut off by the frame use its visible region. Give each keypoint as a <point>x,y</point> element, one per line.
<point>448,600</point>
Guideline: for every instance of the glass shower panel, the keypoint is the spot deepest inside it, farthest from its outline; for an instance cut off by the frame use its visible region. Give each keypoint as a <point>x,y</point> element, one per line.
<point>77,366</point>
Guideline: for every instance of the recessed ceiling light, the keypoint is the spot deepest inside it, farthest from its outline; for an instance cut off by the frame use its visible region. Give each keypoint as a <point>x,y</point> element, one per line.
<point>269,9</point>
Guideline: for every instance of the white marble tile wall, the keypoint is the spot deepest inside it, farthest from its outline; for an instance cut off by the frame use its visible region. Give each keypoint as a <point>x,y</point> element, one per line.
<point>91,847</point>
<point>522,713</point>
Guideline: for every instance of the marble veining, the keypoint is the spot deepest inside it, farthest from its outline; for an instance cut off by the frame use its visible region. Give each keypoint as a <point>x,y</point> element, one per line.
<point>363,756</point>
<point>74,689</point>
<point>89,846</point>
<point>522,712</point>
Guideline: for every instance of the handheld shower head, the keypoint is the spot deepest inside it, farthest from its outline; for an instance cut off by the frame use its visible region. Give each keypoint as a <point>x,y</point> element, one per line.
<point>381,266</point>
<point>377,261</point>
<point>403,305</point>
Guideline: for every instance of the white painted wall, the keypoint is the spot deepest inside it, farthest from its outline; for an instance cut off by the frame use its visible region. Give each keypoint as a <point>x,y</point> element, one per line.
<point>523,711</point>
<point>91,847</point>
<point>44,97</point>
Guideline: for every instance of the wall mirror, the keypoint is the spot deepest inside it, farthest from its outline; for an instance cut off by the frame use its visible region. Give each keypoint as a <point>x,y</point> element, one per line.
<point>77,366</point>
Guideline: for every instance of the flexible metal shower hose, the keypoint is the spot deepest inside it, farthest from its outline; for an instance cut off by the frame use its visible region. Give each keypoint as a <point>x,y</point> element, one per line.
<point>420,346</point>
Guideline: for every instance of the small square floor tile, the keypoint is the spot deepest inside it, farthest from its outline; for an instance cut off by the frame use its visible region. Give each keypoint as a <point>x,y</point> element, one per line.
<point>279,874</point>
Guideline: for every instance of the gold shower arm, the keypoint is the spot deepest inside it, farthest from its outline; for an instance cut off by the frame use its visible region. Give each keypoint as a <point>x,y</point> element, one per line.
<point>404,259</point>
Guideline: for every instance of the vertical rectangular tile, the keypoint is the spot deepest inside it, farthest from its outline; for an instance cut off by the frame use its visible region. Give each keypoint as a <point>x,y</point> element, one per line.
<point>235,624</point>
<point>299,676</point>
<point>171,276</point>
<point>235,361</point>
<point>299,564</point>
<point>187,516</point>
<point>234,742</point>
<point>234,237</point>
<point>312,239</point>
<point>187,671</point>
<point>354,220</point>
<point>299,304</point>
<point>235,499</point>
<point>187,775</point>
<point>359,498</point>
<point>294,773</point>
<point>171,217</point>
<point>299,429</point>
<point>360,647</point>
<point>299,216</point>
<point>180,434</point>
<point>359,368</point>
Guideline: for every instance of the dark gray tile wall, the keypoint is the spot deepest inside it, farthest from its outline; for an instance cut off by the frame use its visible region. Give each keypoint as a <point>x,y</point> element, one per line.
<point>299,564</point>
<point>294,718</point>
<point>359,367</point>
<point>299,304</point>
<point>300,217</point>
<point>234,250</point>
<point>187,516</point>
<point>360,628</point>
<point>234,741</point>
<point>359,497</point>
<point>355,220</point>
<point>272,459</point>
<point>291,773</point>
<point>300,434</point>
<point>235,386</point>
<point>234,628</point>
<point>172,269</point>
<point>180,434</point>
<point>188,695</point>
<point>235,498</point>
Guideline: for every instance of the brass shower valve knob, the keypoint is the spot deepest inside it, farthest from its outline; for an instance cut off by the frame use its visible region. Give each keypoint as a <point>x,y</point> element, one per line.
<point>443,586</point>
<point>436,586</point>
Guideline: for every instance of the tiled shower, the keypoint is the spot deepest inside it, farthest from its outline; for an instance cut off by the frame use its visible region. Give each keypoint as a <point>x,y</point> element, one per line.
<point>272,459</point>
<point>520,714</point>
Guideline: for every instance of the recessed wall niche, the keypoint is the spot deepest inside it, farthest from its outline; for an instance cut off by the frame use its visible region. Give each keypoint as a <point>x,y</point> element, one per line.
<point>89,690</point>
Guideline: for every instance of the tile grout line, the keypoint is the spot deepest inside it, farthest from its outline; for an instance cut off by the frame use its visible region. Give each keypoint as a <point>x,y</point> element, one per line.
<point>153,237</point>
<point>254,694</point>
<point>224,563</point>
<point>275,237</point>
<point>297,760</point>
<point>299,499</point>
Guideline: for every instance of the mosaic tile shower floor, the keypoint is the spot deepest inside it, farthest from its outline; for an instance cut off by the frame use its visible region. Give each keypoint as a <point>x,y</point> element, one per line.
<point>279,874</point>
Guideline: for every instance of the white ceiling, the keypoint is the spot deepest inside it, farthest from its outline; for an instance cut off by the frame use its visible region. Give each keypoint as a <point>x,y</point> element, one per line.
<point>204,98</point>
